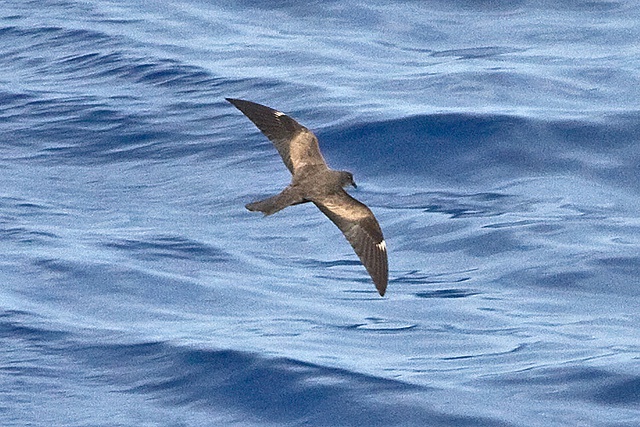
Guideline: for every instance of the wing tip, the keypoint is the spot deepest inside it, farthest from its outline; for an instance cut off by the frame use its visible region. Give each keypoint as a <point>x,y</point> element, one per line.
<point>234,101</point>
<point>381,283</point>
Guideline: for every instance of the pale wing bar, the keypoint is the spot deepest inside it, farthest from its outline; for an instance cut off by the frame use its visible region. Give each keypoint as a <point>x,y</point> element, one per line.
<point>360,227</point>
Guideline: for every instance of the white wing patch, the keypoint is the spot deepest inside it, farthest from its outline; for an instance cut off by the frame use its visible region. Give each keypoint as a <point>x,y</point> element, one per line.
<point>350,211</point>
<point>279,113</point>
<point>382,246</point>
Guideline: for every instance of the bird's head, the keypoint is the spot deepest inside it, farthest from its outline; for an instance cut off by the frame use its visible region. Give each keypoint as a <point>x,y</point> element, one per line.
<point>346,179</point>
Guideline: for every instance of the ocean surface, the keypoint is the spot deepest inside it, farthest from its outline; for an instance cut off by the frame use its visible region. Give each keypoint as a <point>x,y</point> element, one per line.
<point>497,142</point>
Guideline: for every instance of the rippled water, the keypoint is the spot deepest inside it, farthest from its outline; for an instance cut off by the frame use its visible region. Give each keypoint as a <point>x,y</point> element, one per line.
<point>496,142</point>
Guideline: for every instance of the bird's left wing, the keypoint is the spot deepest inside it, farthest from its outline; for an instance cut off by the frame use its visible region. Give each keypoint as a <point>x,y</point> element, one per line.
<point>360,227</point>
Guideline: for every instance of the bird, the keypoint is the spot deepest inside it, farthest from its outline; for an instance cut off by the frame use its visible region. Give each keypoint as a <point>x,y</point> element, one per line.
<point>313,181</point>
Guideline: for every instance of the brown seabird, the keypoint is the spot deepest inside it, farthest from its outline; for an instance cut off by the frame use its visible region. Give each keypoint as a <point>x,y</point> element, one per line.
<point>313,181</point>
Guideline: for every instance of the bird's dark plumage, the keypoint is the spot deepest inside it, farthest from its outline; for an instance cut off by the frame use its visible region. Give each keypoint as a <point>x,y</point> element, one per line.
<point>313,181</point>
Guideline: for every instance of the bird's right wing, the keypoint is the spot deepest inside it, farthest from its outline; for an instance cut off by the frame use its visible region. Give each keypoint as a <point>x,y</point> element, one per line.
<point>297,145</point>
<point>360,227</point>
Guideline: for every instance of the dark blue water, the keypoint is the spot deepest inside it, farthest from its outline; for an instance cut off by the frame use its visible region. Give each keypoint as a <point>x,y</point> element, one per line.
<point>498,143</point>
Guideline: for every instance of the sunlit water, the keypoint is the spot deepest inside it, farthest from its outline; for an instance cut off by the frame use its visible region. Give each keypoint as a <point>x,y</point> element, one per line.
<point>496,142</point>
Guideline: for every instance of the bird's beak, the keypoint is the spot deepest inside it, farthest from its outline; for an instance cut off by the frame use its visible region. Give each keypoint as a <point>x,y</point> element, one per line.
<point>354,184</point>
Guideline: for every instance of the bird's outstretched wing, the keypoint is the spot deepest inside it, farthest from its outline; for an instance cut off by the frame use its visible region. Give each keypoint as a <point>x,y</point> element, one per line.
<point>297,145</point>
<point>360,227</point>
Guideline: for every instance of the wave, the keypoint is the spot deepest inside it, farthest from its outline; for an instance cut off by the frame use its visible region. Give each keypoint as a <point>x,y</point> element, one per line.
<point>274,390</point>
<point>468,148</point>
<point>104,102</point>
<point>245,386</point>
<point>252,389</point>
<point>168,247</point>
<point>119,105</point>
<point>584,383</point>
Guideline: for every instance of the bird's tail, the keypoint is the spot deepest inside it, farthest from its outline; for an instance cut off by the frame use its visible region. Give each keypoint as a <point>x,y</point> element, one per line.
<point>276,203</point>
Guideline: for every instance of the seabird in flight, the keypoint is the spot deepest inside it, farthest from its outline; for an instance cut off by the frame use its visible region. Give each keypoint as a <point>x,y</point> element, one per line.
<point>313,181</point>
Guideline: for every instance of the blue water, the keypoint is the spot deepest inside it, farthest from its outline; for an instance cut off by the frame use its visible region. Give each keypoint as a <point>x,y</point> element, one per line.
<point>498,143</point>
